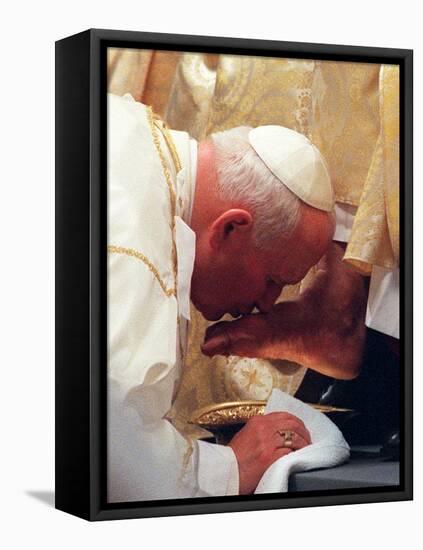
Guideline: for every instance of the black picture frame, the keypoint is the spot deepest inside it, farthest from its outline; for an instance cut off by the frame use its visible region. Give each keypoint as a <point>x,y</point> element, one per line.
<point>81,217</point>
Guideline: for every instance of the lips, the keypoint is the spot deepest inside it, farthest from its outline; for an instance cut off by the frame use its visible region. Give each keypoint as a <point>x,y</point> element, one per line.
<point>234,314</point>
<point>212,316</point>
<point>242,311</point>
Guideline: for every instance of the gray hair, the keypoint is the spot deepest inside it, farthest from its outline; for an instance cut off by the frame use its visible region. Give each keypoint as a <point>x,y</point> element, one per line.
<point>243,177</point>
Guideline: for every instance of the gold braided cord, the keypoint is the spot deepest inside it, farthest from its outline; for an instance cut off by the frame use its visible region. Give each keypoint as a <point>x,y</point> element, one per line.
<point>172,194</point>
<point>163,162</point>
<point>187,455</point>
<point>170,144</point>
<point>140,256</point>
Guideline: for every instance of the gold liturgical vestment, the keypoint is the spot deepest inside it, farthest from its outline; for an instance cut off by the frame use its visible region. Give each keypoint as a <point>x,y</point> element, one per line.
<point>350,111</point>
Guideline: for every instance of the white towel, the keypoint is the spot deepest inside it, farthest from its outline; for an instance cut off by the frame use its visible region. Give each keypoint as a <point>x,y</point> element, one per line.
<point>328,447</point>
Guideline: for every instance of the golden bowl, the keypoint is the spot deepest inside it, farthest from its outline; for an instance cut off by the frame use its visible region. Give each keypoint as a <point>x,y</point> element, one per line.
<point>223,420</point>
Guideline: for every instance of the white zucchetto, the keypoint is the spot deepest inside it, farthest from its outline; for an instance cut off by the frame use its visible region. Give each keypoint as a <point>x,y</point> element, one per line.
<point>296,162</point>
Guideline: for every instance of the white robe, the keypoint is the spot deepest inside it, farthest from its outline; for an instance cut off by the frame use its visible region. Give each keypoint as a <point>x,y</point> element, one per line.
<point>147,457</point>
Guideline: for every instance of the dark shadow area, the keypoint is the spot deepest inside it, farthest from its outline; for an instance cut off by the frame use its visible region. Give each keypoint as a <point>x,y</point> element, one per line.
<point>46,497</point>
<point>374,396</point>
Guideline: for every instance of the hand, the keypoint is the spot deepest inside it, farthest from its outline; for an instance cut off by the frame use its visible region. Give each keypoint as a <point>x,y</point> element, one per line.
<point>258,444</point>
<point>323,328</point>
<point>248,336</point>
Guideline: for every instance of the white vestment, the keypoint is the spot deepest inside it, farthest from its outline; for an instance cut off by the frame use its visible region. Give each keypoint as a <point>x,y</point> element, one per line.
<point>148,310</point>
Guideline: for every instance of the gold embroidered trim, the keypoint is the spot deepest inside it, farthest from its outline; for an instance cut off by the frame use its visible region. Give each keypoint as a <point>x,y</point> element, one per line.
<point>172,194</point>
<point>188,453</point>
<point>139,256</point>
<point>170,144</point>
<point>163,162</point>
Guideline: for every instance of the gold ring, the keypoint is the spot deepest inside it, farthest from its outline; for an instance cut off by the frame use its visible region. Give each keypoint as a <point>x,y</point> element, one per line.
<point>287,436</point>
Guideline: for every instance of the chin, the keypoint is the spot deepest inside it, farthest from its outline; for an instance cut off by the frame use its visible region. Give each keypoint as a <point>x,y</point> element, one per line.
<point>208,313</point>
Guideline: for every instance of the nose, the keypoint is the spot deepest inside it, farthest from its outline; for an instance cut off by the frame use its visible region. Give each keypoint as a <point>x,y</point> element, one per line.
<point>269,297</point>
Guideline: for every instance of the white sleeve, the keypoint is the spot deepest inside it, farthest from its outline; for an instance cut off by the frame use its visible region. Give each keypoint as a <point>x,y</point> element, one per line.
<point>217,469</point>
<point>383,301</point>
<point>344,214</point>
<point>148,459</point>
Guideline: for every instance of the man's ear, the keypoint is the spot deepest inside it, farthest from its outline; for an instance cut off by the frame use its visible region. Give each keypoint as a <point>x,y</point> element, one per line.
<point>232,224</point>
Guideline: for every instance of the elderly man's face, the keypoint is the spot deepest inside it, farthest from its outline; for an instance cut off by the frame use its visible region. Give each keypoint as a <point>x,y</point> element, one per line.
<point>241,277</point>
<point>231,275</point>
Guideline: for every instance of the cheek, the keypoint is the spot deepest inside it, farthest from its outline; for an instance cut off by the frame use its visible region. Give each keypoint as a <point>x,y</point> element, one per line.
<point>251,286</point>
<point>243,283</point>
<point>230,285</point>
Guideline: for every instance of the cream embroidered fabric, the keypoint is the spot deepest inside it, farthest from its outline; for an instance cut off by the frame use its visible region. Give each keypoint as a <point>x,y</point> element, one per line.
<point>375,234</point>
